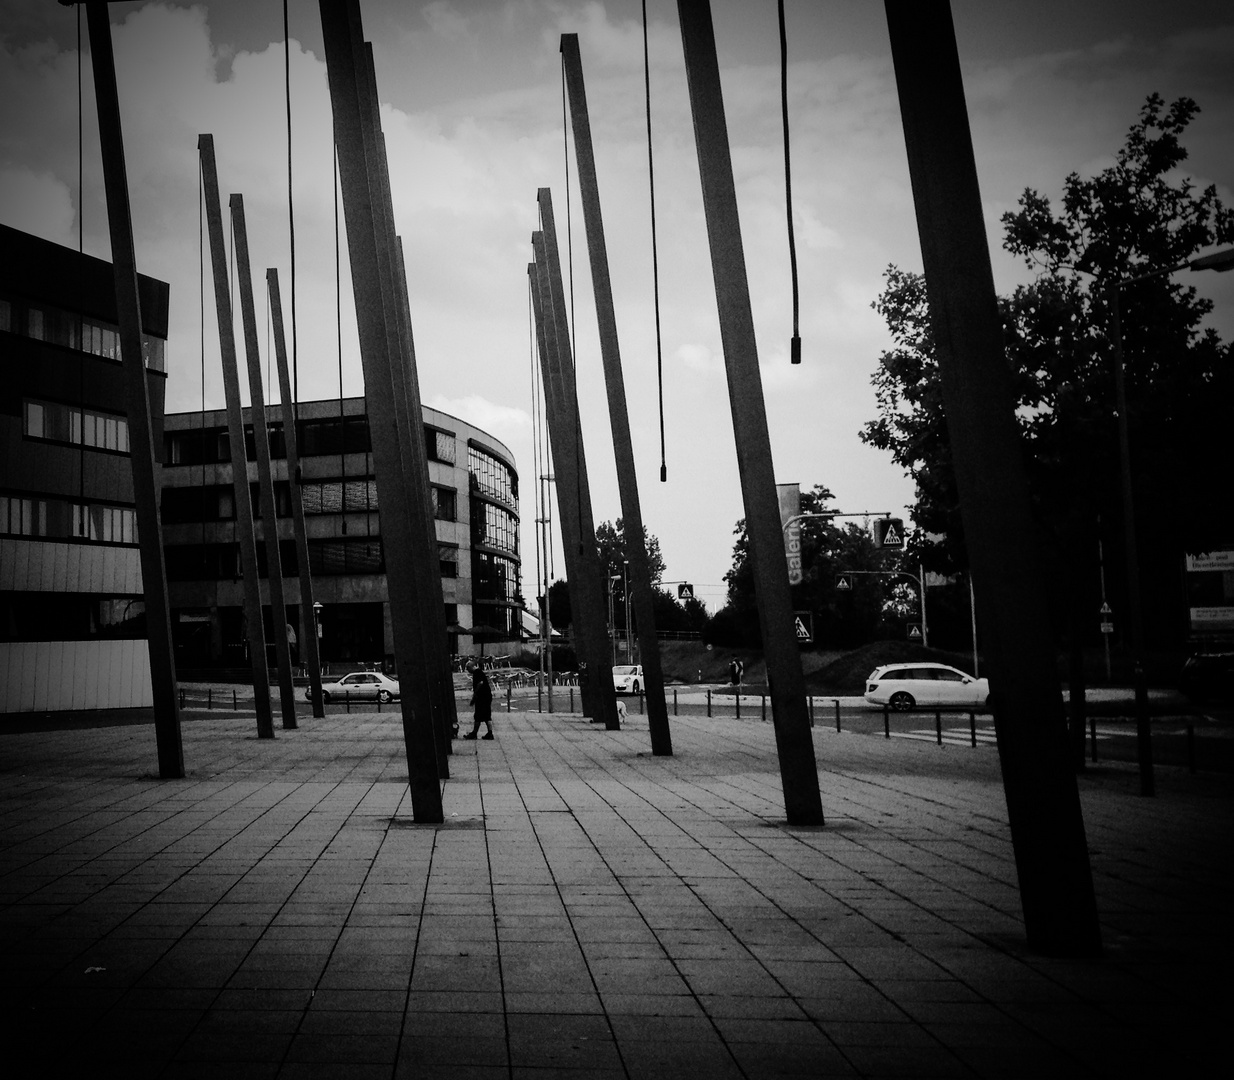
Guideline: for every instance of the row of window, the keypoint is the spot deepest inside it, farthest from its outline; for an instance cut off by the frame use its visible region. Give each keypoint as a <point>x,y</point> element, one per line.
<point>59,327</point>
<point>345,555</point>
<point>492,477</point>
<point>63,519</point>
<point>70,424</point>
<point>494,578</point>
<point>216,502</point>
<point>493,526</point>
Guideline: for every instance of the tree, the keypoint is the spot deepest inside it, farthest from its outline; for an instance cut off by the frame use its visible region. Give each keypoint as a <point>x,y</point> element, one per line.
<point>827,550</point>
<point>1135,217</point>
<point>611,540</point>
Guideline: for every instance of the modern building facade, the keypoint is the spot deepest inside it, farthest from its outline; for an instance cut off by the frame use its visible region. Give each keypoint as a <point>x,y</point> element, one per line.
<point>475,504</point>
<point>72,617</point>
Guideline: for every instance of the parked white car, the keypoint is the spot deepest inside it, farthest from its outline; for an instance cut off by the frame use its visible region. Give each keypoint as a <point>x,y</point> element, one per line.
<point>628,678</point>
<point>358,686</point>
<point>926,685</point>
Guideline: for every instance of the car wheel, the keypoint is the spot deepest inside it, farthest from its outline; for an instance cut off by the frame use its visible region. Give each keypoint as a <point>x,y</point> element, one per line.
<point>634,687</point>
<point>325,696</point>
<point>385,697</point>
<point>902,702</point>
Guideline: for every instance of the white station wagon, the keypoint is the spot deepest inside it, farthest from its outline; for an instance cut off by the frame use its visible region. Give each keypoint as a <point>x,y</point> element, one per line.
<point>926,685</point>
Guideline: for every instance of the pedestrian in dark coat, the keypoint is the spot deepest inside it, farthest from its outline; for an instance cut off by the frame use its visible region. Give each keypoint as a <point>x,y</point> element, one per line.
<point>482,698</point>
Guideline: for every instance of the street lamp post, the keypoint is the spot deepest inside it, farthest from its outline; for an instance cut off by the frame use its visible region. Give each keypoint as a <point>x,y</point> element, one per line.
<point>1220,261</point>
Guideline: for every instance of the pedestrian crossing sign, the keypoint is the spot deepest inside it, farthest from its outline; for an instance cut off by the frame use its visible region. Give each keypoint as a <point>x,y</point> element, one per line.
<point>914,632</point>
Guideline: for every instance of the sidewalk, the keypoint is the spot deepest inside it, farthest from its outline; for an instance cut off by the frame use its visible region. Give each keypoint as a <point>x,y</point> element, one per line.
<point>587,910</point>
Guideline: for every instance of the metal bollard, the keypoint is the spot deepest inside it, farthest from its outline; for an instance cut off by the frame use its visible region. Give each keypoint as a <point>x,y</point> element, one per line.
<point>572,699</point>
<point>938,726</point>
<point>764,708</point>
<point>182,697</point>
<point>642,703</point>
<point>709,701</point>
<point>674,701</point>
<point>972,727</point>
<point>837,714</point>
<point>233,699</point>
<point>1092,735</point>
<point>209,697</point>
<point>379,703</point>
<point>509,691</point>
<point>347,699</point>
<point>886,722</point>
<point>737,698</point>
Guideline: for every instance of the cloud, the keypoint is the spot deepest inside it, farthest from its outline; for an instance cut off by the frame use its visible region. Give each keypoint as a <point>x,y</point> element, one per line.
<point>38,203</point>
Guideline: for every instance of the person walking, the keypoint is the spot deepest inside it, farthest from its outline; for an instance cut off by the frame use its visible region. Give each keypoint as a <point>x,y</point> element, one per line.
<point>482,698</point>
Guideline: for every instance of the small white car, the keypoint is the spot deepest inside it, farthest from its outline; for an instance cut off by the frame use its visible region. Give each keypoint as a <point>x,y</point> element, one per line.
<point>628,678</point>
<point>926,685</point>
<point>358,686</point>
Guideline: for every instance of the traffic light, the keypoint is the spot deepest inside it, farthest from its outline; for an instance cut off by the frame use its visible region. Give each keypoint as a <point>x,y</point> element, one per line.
<point>888,533</point>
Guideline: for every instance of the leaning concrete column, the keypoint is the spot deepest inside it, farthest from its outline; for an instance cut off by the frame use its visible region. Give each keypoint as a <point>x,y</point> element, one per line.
<point>376,317</point>
<point>245,535</point>
<point>1043,805</point>
<point>794,743</point>
<point>137,401</point>
<point>592,617</point>
<point>561,443</point>
<point>265,480</point>
<point>619,417</point>
<point>291,437</point>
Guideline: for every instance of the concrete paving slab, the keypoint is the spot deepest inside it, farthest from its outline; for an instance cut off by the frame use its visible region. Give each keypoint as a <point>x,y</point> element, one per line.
<point>586,910</point>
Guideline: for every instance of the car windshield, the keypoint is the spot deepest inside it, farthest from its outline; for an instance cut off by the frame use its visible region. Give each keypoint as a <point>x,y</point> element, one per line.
<point>624,670</point>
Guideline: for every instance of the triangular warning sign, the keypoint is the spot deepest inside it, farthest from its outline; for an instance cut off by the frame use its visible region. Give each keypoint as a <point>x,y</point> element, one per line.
<point>843,583</point>
<point>914,631</point>
<point>891,538</point>
<point>802,632</point>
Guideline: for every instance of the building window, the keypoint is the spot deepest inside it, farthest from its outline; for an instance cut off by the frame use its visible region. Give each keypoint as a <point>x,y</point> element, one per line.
<point>447,560</point>
<point>493,526</point>
<point>496,578</point>
<point>492,477</point>
<point>22,516</point>
<point>337,497</point>
<point>445,504</point>
<point>440,445</point>
<point>81,427</point>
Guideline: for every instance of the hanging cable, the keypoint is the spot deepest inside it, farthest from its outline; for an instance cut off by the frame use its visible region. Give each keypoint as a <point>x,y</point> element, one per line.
<point>655,259</point>
<point>795,344</point>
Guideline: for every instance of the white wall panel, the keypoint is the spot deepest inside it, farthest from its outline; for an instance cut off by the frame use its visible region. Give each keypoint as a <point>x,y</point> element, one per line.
<point>47,676</point>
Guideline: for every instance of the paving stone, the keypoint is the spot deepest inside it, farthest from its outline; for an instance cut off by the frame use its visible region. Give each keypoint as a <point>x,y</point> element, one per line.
<point>586,910</point>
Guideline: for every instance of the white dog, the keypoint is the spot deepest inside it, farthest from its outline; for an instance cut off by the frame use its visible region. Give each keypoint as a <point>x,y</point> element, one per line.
<point>621,711</point>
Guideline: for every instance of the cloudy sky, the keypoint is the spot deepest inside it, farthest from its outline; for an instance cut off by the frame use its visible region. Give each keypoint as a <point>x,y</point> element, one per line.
<point>472,112</point>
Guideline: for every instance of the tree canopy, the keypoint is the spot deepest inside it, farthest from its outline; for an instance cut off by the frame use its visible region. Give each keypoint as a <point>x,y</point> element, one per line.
<point>1139,216</point>
<point>842,618</point>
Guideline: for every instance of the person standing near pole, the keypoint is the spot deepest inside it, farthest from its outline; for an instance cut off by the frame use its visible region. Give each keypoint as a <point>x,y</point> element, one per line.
<point>482,699</point>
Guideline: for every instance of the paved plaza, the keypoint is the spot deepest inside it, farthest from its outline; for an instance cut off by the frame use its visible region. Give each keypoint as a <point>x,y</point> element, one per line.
<point>587,910</point>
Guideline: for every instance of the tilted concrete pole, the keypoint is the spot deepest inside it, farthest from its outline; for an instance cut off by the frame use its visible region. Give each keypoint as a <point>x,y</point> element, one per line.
<point>619,417</point>
<point>1043,806</point>
<point>794,743</point>
<point>245,532</point>
<point>137,401</point>
<point>591,619</point>
<point>376,318</point>
<point>309,651</point>
<point>265,479</point>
